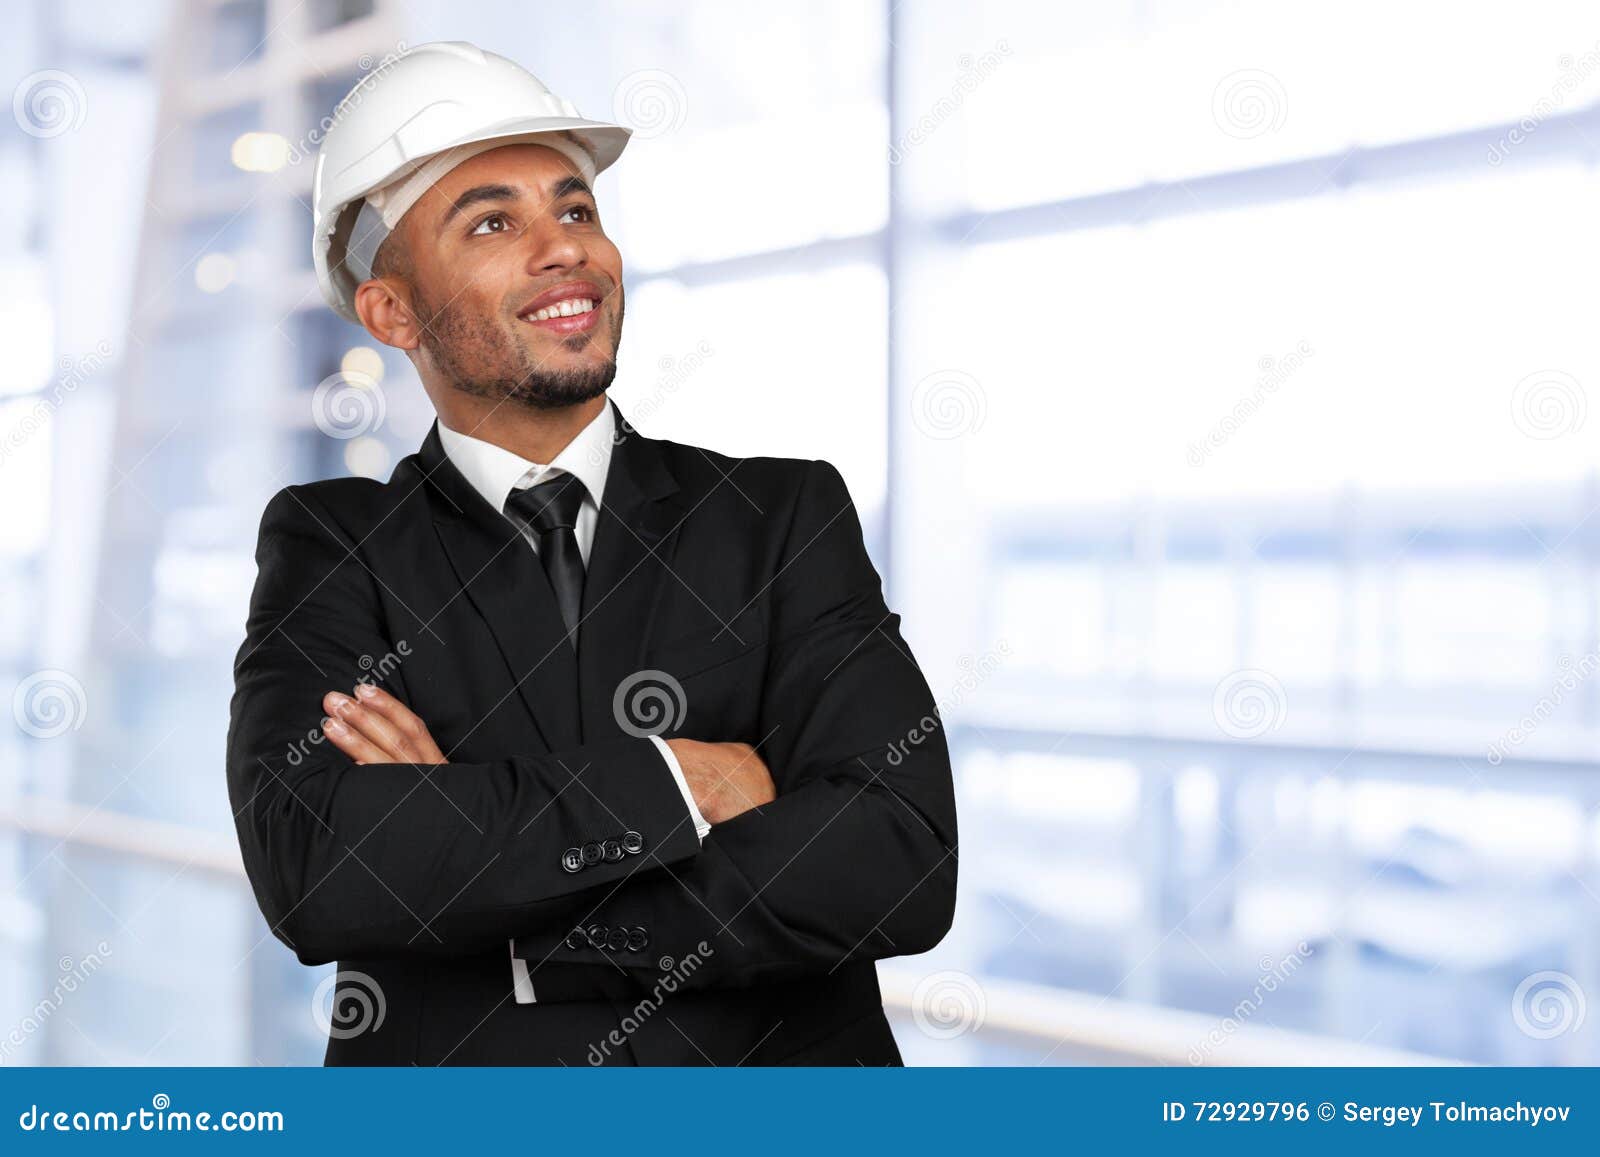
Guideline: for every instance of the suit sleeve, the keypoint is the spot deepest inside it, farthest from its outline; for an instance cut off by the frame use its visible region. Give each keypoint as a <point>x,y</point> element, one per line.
<point>856,858</point>
<point>394,859</point>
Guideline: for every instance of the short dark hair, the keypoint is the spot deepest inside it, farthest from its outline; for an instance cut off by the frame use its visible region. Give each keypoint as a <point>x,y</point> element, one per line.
<point>392,258</point>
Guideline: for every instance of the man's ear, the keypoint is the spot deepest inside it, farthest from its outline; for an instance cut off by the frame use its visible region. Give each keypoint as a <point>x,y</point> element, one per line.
<point>383,309</point>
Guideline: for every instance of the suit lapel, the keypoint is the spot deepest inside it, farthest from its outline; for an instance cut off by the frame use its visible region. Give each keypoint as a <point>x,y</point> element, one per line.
<point>628,565</point>
<point>502,577</point>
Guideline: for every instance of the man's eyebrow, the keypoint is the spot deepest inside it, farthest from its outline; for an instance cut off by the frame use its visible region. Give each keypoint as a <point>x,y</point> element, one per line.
<point>478,194</point>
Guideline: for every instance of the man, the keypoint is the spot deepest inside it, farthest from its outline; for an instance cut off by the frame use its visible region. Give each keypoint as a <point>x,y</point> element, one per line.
<point>571,746</point>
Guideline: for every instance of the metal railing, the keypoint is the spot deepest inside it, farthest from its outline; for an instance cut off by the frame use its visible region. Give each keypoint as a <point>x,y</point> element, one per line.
<point>1060,1024</point>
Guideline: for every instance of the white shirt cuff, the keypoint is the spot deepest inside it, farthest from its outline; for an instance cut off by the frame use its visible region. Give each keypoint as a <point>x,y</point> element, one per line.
<point>701,827</point>
<point>521,982</point>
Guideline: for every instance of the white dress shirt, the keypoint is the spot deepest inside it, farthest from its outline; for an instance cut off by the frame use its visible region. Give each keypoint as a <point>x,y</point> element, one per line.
<point>495,472</point>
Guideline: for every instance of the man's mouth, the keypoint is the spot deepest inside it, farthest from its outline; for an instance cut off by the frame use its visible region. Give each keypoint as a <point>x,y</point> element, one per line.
<point>564,310</point>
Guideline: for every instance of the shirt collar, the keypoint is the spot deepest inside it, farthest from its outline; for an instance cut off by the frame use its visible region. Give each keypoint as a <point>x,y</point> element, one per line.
<point>494,471</point>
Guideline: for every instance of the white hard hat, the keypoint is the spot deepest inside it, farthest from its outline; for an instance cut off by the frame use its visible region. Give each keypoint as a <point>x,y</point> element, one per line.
<point>438,103</point>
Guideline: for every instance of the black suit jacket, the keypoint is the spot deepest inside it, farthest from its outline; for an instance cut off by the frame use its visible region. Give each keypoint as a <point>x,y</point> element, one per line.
<point>744,580</point>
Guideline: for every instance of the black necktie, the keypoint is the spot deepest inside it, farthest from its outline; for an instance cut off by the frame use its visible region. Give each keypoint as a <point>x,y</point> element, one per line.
<point>550,510</point>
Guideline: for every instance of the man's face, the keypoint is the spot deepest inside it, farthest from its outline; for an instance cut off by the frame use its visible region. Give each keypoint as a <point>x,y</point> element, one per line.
<point>517,287</point>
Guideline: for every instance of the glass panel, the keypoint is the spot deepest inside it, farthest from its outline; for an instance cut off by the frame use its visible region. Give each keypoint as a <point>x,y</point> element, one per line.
<point>689,354</point>
<point>235,34</point>
<point>749,135</point>
<point>325,15</point>
<point>1021,102</point>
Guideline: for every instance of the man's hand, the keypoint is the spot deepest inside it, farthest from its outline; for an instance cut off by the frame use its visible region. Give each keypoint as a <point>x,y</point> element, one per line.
<point>726,779</point>
<point>375,727</point>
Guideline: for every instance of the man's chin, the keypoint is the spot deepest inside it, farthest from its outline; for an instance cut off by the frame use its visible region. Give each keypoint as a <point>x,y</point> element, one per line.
<point>543,389</point>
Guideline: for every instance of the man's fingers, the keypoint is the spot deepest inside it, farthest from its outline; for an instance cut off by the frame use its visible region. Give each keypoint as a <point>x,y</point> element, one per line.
<point>375,698</point>
<point>357,746</point>
<point>411,726</point>
<point>373,726</point>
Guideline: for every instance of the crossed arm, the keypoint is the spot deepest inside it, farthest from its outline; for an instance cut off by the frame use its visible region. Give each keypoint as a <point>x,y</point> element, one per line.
<point>836,842</point>
<point>372,726</point>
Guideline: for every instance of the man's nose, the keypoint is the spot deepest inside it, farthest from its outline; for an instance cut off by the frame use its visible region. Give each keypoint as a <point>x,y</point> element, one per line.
<point>554,246</point>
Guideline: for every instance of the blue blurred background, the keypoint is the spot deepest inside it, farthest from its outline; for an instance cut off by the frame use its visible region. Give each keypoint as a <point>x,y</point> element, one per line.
<point>1213,379</point>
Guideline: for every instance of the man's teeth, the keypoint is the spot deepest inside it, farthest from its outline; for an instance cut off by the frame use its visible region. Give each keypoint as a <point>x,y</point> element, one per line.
<point>563,309</point>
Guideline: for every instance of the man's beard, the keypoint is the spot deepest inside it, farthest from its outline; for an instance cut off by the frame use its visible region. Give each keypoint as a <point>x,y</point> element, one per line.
<point>480,359</point>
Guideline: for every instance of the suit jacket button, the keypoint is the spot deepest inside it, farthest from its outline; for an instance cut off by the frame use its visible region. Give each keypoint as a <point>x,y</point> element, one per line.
<point>632,843</point>
<point>638,939</point>
<point>597,935</point>
<point>613,851</point>
<point>572,860</point>
<point>577,939</point>
<point>593,853</point>
<point>617,939</point>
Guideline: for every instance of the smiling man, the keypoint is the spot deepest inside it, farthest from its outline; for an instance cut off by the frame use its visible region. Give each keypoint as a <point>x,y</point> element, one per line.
<point>567,744</point>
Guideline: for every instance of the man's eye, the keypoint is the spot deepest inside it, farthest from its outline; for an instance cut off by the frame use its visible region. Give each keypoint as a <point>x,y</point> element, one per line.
<point>481,227</point>
<point>586,213</point>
